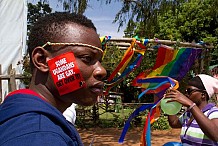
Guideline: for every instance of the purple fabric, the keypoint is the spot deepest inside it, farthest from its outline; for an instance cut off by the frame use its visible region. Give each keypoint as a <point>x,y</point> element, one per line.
<point>194,54</point>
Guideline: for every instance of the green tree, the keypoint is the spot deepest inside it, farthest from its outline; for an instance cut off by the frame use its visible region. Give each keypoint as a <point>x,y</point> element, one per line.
<point>142,15</point>
<point>194,21</point>
<point>77,6</point>
<point>180,20</point>
<point>35,11</point>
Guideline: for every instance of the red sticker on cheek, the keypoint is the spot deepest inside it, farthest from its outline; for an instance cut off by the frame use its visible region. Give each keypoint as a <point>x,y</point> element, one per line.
<point>65,73</point>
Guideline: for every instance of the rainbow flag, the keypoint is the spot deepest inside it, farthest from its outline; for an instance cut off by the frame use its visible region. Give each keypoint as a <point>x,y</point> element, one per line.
<point>165,54</point>
<point>174,65</point>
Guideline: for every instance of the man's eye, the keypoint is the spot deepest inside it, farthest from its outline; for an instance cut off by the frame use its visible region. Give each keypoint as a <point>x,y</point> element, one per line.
<point>86,59</point>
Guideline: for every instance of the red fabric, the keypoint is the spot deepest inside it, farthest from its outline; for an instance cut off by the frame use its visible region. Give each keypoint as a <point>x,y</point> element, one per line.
<point>25,91</point>
<point>140,76</point>
<point>160,57</point>
<point>143,141</point>
<point>120,65</point>
<point>168,56</point>
<point>144,133</point>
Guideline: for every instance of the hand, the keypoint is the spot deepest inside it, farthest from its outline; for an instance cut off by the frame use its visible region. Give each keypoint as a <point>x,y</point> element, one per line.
<point>175,95</point>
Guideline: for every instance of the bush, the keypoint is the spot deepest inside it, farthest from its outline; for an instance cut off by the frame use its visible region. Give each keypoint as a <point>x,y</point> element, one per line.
<point>161,124</point>
<point>117,120</point>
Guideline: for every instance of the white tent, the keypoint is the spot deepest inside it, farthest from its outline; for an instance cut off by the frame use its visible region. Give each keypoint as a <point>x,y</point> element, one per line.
<point>13,32</point>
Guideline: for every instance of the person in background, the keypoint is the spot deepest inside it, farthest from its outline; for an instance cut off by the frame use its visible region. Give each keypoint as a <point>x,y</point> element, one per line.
<point>200,122</point>
<point>70,113</point>
<point>65,55</point>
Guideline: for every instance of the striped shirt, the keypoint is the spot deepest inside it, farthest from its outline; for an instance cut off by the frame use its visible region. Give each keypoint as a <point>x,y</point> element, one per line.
<point>192,134</point>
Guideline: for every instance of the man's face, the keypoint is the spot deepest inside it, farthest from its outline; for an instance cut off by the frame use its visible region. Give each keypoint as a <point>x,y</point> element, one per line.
<point>88,62</point>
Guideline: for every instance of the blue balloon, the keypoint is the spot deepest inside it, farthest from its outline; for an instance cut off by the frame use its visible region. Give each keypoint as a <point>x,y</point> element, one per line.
<point>173,144</point>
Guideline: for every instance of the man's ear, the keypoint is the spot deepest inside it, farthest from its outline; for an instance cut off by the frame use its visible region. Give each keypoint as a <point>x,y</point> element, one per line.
<point>40,57</point>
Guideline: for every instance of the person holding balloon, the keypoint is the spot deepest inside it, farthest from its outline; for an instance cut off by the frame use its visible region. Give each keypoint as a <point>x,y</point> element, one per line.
<point>199,124</point>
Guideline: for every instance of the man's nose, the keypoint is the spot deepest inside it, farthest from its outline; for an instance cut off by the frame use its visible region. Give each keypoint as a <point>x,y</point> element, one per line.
<point>99,72</point>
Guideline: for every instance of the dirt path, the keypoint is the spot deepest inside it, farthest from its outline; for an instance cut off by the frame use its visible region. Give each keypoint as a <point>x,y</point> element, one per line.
<point>110,136</point>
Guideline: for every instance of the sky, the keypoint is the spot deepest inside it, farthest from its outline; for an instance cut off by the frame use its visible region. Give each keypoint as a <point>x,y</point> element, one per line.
<point>102,16</point>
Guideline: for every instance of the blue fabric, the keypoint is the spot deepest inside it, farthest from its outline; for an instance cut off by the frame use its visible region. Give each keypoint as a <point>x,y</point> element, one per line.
<point>133,115</point>
<point>148,132</point>
<point>27,120</point>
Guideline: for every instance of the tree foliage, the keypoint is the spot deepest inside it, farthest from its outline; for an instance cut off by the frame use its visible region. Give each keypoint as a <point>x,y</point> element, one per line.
<point>35,11</point>
<point>194,21</point>
<point>77,6</point>
<point>180,20</point>
<point>142,15</point>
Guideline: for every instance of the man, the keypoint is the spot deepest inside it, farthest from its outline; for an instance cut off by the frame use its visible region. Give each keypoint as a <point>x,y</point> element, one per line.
<point>65,54</point>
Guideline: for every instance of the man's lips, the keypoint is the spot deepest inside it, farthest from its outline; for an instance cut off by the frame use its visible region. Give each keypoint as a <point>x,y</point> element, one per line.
<point>97,88</point>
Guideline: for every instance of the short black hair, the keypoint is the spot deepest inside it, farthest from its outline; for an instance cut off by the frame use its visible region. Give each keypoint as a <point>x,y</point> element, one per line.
<point>47,28</point>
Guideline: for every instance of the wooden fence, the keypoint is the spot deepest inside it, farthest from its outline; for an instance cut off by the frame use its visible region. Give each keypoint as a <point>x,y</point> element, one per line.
<point>11,78</point>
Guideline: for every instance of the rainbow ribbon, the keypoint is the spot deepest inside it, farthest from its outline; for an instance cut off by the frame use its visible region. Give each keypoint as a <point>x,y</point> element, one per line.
<point>154,110</point>
<point>125,60</point>
<point>135,64</point>
<point>104,40</point>
<point>122,69</point>
<point>160,80</point>
<point>134,114</point>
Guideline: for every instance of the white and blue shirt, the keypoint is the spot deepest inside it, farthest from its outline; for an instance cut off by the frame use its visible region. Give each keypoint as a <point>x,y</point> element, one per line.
<point>191,134</point>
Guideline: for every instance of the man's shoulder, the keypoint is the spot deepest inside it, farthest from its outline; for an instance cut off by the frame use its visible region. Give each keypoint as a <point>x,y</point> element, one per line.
<point>31,126</point>
<point>37,138</point>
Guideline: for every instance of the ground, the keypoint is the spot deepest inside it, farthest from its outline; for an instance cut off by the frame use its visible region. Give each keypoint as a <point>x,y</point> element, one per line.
<point>110,136</point>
